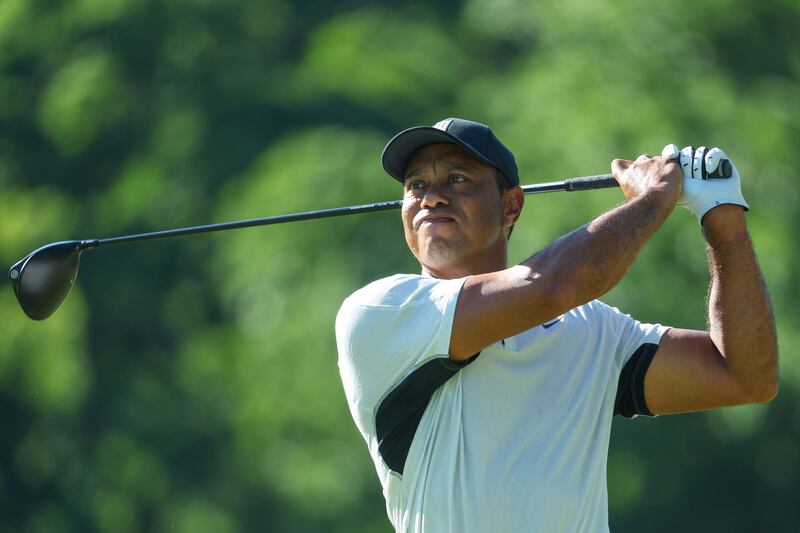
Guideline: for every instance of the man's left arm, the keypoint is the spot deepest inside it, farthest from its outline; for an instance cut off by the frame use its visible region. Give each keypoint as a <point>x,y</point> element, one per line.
<point>736,361</point>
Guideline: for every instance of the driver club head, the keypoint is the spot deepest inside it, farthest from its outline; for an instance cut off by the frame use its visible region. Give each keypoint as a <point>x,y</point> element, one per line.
<point>43,278</point>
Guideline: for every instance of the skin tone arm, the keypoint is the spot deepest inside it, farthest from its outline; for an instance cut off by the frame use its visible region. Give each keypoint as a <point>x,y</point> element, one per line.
<point>736,361</point>
<point>574,269</point>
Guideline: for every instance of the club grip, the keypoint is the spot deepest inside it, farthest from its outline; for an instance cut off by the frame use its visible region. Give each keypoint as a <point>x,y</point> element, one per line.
<point>724,171</point>
<point>587,183</point>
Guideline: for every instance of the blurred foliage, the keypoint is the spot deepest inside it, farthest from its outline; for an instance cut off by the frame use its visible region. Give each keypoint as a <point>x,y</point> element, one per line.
<point>191,385</point>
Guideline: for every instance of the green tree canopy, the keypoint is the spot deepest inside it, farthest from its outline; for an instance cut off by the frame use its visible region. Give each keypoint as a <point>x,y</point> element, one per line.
<point>191,385</point>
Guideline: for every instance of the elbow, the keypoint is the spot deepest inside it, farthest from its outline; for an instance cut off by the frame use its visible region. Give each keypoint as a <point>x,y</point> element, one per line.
<point>557,292</point>
<point>567,292</point>
<point>763,390</point>
<point>591,283</point>
<point>564,296</point>
<point>770,384</point>
<point>762,395</point>
<point>767,392</point>
<point>571,281</point>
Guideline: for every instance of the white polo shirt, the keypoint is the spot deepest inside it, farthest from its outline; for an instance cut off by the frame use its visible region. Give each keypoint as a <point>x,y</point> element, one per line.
<point>515,440</point>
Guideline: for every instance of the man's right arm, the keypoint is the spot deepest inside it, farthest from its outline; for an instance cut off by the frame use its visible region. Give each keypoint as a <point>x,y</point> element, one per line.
<point>574,269</point>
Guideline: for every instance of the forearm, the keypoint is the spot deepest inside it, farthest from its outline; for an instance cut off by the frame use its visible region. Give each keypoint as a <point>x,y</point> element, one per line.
<point>591,260</point>
<point>741,322</point>
<point>574,269</point>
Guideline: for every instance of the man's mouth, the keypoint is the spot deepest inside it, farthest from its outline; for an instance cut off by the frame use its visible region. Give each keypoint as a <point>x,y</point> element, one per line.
<point>435,219</point>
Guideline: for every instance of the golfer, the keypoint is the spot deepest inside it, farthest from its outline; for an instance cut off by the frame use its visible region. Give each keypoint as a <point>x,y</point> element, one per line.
<point>485,392</point>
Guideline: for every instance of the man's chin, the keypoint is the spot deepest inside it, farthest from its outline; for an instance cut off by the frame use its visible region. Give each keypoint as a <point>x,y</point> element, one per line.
<point>440,252</point>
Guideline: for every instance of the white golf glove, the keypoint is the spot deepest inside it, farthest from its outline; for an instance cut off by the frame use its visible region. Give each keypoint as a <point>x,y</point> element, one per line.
<point>700,194</point>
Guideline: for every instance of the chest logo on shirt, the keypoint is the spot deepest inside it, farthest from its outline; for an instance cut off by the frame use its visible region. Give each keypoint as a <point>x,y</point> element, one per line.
<point>551,324</point>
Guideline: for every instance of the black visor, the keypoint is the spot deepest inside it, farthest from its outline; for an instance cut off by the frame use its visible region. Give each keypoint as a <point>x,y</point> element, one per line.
<point>475,138</point>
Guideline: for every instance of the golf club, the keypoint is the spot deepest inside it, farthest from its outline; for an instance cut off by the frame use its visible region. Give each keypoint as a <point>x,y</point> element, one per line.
<point>43,278</point>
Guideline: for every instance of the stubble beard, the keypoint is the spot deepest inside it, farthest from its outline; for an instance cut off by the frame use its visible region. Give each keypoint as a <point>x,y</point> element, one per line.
<point>441,252</point>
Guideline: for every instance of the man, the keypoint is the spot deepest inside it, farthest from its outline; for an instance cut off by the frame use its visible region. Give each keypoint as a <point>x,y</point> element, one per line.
<point>485,393</point>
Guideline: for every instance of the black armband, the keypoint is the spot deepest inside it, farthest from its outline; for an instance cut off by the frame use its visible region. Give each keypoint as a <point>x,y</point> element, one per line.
<point>630,389</point>
<point>399,414</point>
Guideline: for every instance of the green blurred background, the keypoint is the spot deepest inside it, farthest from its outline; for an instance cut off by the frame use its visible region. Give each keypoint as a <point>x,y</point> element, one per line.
<point>190,385</point>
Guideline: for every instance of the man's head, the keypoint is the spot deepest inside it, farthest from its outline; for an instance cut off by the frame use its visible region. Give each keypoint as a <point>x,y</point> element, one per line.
<point>474,138</point>
<point>461,196</point>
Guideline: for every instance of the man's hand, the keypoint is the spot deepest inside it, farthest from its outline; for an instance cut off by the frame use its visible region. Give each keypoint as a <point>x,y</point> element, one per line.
<point>649,175</point>
<point>700,195</point>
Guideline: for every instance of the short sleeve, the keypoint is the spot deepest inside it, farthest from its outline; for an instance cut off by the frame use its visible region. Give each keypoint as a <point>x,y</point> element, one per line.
<point>631,334</point>
<point>386,330</point>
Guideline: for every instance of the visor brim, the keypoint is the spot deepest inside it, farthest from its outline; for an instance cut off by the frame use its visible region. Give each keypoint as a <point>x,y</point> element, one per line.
<point>401,147</point>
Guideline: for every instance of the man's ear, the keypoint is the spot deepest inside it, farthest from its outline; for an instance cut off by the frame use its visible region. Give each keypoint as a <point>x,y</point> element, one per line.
<point>513,200</point>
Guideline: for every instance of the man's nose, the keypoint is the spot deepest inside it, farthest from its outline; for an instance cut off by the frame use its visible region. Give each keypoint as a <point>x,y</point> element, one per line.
<point>434,196</point>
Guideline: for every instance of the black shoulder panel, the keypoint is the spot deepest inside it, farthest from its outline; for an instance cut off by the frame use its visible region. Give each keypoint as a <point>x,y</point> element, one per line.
<point>400,412</point>
<point>630,389</point>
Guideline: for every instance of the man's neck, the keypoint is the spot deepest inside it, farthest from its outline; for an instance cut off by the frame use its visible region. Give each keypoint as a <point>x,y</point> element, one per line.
<point>456,271</point>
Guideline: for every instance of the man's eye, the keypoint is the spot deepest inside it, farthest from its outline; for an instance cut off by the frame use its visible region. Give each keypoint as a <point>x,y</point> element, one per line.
<point>456,178</point>
<point>415,185</point>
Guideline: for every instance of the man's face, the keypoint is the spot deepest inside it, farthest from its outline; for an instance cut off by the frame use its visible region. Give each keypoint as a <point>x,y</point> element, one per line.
<point>454,214</point>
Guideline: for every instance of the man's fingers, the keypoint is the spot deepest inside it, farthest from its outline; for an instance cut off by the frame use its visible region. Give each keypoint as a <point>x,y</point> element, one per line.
<point>699,163</point>
<point>619,166</point>
<point>636,177</point>
<point>671,151</point>
<point>686,160</point>
<point>713,157</point>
